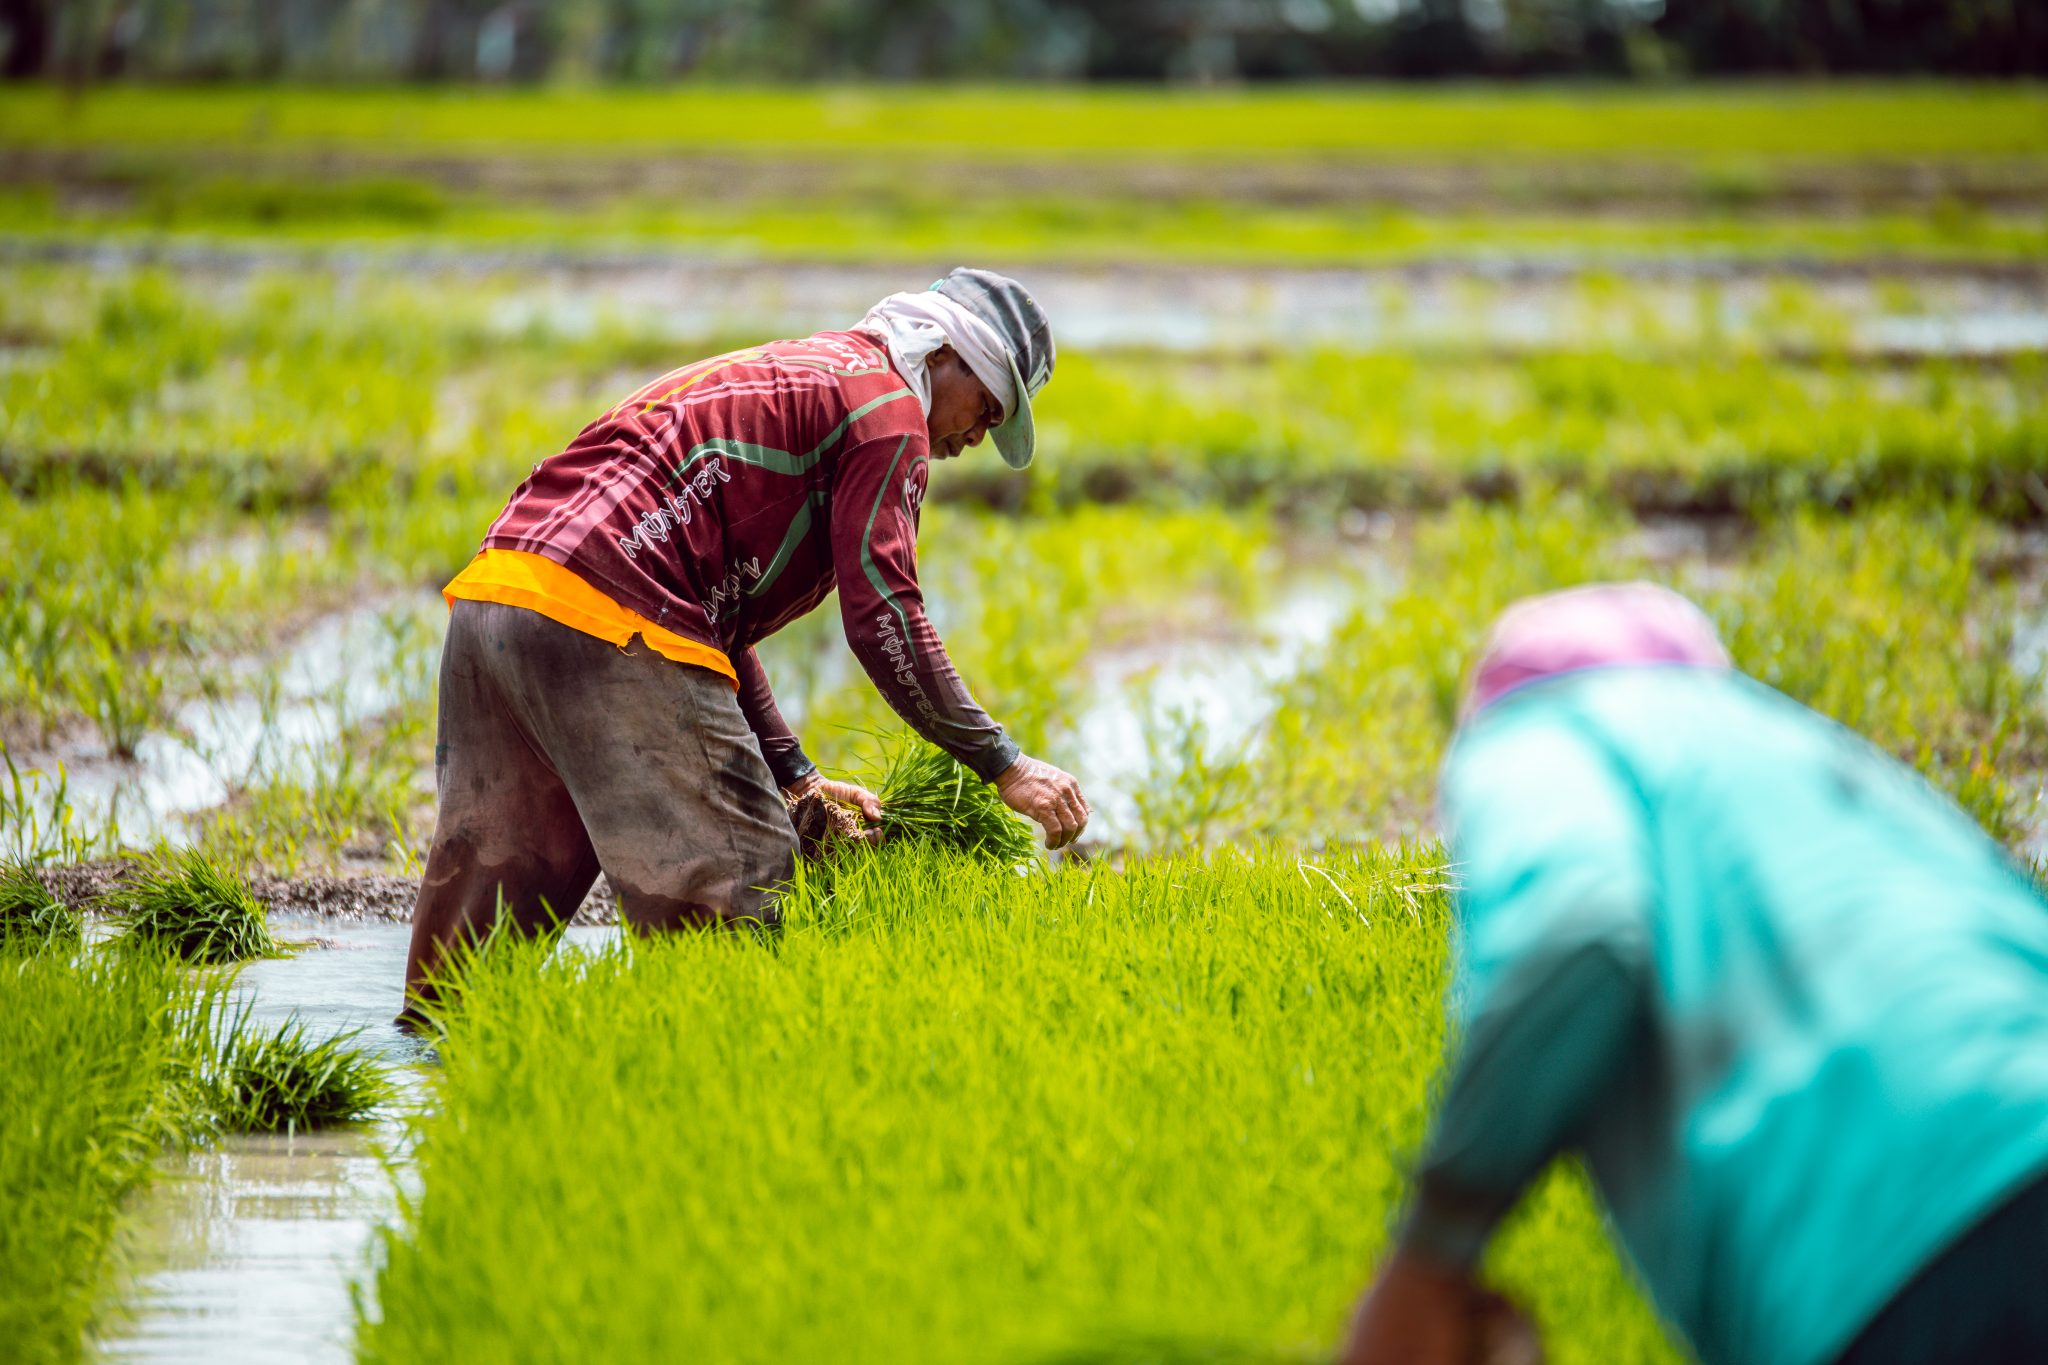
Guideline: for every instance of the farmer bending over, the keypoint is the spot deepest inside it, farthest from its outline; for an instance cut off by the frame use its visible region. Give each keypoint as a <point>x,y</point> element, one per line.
<point>1789,1003</point>
<point>601,702</point>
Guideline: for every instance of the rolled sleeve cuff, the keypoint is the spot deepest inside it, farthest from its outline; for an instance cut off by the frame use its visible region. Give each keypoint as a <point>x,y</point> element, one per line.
<point>1450,1228</point>
<point>790,767</point>
<point>991,762</point>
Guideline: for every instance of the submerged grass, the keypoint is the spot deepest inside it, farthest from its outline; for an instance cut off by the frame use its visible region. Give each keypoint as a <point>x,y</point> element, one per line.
<point>109,1059</point>
<point>959,1114</point>
<point>190,905</point>
<point>858,225</point>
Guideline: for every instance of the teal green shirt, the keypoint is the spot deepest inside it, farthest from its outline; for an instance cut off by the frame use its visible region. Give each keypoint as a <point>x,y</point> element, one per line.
<point>1789,1002</point>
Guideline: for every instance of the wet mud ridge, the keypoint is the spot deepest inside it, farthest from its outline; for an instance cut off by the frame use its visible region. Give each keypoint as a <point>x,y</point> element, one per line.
<point>344,898</point>
<point>124,178</point>
<point>778,279</point>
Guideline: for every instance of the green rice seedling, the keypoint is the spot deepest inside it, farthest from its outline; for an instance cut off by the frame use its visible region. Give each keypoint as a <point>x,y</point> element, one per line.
<point>31,919</point>
<point>961,1114</point>
<point>283,1081</point>
<point>191,906</point>
<point>38,823</point>
<point>929,798</point>
<point>97,1054</point>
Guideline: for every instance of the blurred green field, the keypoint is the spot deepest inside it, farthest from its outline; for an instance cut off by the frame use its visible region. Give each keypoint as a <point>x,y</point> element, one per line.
<point>862,226</point>
<point>1348,175</point>
<point>1752,121</point>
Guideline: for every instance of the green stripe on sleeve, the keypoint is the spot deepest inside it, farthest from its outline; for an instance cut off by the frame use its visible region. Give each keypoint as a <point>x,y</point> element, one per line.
<point>867,557</point>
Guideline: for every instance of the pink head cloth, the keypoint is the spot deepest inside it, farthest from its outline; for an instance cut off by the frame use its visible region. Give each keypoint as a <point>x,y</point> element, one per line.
<point>1589,627</point>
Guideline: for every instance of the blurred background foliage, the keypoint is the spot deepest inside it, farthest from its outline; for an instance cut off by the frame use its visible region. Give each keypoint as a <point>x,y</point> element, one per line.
<point>1136,40</point>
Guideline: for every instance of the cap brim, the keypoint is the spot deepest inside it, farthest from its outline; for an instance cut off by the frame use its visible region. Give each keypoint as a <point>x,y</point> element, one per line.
<point>1016,439</point>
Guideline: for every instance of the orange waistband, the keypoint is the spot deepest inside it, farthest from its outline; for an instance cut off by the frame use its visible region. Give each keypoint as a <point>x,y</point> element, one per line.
<point>519,579</point>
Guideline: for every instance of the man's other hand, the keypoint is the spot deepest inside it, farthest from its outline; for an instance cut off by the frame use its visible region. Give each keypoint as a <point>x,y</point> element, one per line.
<point>1042,792</point>
<point>1417,1313</point>
<point>849,794</point>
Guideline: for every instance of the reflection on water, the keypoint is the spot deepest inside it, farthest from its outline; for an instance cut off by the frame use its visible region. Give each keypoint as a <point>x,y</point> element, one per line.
<point>1506,303</point>
<point>1225,684</point>
<point>247,1251</point>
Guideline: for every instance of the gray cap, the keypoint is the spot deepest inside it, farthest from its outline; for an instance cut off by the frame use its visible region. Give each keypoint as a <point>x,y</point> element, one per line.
<point>1003,304</point>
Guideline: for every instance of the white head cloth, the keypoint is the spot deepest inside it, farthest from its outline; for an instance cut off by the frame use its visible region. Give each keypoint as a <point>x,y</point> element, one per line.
<point>913,326</point>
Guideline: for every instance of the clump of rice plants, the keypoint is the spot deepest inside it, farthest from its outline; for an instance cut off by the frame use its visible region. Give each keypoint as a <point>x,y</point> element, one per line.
<point>928,798</point>
<point>283,1081</point>
<point>194,908</point>
<point>31,919</point>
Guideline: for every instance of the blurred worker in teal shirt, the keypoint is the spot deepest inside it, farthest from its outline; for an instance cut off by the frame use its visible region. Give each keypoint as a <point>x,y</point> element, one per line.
<point>1788,1002</point>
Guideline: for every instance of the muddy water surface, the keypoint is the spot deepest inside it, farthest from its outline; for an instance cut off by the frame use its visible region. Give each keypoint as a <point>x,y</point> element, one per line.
<point>266,720</point>
<point>1511,301</point>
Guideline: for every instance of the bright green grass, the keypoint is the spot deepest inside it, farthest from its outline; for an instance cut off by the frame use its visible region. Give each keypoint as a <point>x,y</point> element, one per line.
<point>930,798</point>
<point>1658,421</point>
<point>961,1114</point>
<point>412,407</point>
<point>1885,620</point>
<point>1779,120</point>
<point>96,1060</point>
<point>855,227</point>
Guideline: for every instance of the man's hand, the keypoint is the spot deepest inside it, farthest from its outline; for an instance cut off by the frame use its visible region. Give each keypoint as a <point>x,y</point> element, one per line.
<point>1045,794</point>
<point>1418,1313</point>
<point>824,813</point>
<point>841,793</point>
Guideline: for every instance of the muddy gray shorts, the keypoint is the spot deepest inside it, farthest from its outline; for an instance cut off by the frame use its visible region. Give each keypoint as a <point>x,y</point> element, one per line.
<point>559,754</point>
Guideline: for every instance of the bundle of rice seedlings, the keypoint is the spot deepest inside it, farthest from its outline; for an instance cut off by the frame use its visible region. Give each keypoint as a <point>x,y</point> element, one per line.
<point>927,797</point>
<point>282,1081</point>
<point>200,911</point>
<point>31,919</point>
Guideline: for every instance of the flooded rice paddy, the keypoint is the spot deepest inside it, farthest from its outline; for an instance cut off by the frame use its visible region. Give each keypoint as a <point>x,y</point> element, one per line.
<point>264,720</point>
<point>1518,302</point>
<point>248,1250</point>
<point>359,664</point>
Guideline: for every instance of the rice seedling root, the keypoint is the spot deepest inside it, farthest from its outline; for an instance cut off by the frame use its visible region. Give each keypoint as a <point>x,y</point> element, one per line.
<point>822,824</point>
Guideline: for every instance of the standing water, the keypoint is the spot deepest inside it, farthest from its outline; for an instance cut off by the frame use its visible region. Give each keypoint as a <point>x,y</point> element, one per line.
<point>248,1249</point>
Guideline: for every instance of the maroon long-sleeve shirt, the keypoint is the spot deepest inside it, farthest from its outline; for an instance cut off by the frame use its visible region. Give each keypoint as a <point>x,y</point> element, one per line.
<point>728,498</point>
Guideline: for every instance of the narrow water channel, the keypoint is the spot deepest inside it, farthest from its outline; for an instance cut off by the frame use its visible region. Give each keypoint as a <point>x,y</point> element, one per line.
<point>249,1250</point>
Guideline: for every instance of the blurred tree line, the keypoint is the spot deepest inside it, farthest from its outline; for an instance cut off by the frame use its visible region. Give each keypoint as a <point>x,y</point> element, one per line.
<point>1184,40</point>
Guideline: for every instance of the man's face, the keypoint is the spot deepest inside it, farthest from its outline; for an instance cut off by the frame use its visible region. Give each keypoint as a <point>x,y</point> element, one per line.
<point>962,407</point>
